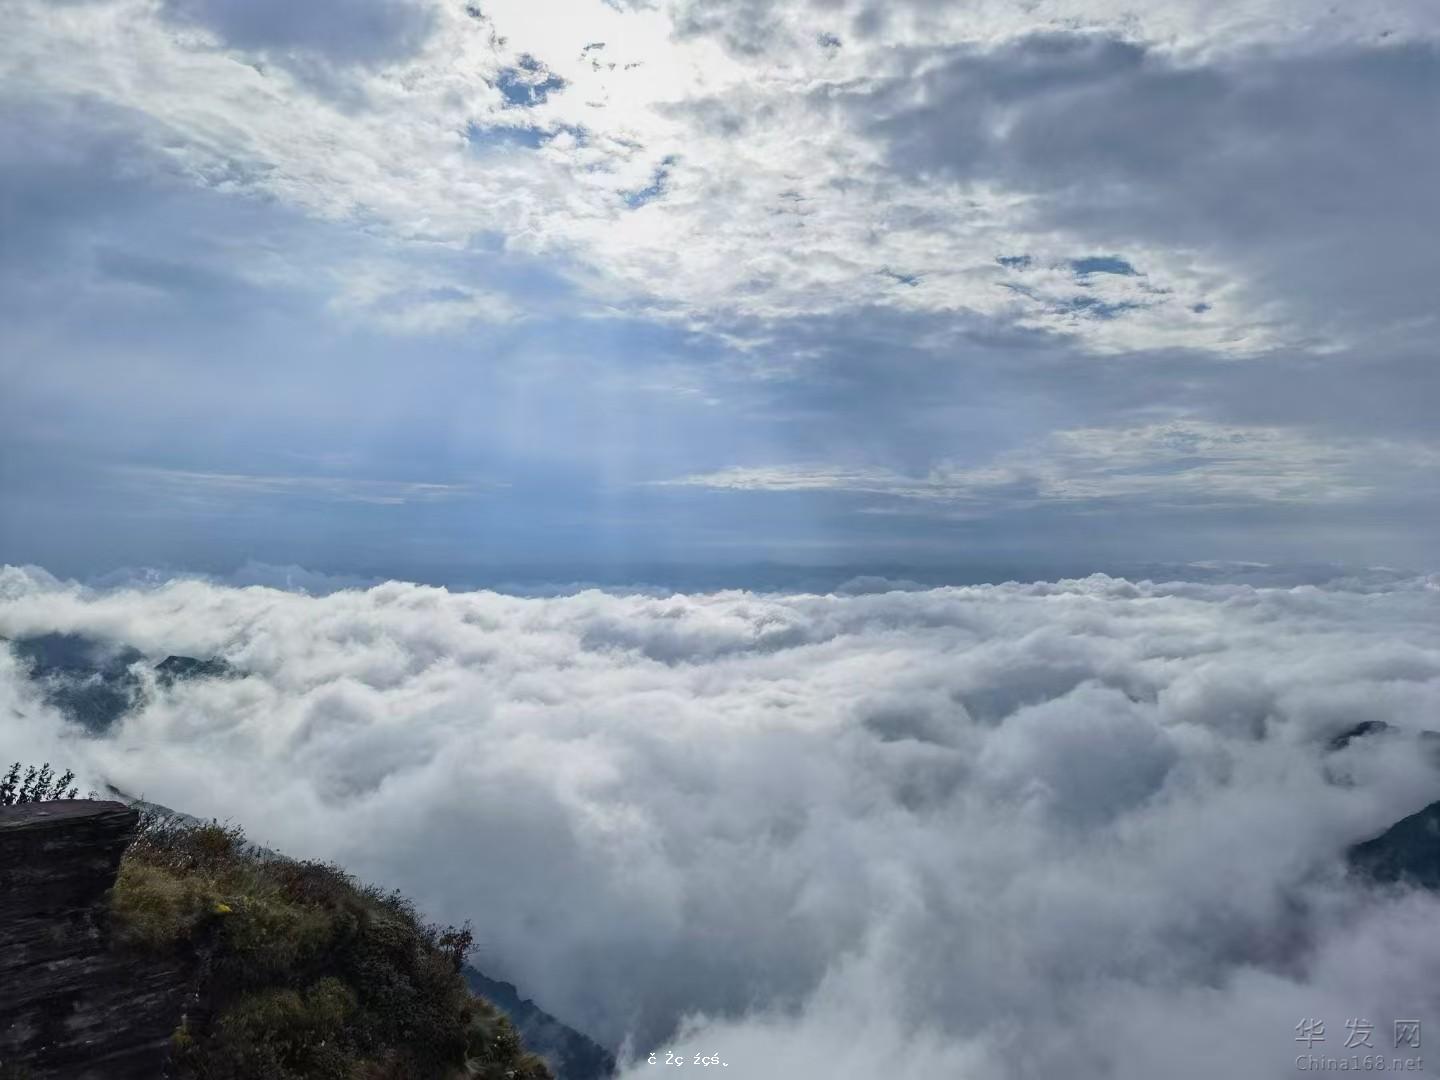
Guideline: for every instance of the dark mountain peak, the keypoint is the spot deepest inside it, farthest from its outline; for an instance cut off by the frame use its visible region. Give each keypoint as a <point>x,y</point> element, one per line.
<point>1359,731</point>
<point>78,654</point>
<point>1407,852</point>
<point>175,669</point>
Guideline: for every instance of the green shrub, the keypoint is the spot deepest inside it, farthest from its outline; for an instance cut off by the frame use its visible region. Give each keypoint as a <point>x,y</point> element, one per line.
<point>37,785</point>
<point>279,1033</point>
<point>305,974</point>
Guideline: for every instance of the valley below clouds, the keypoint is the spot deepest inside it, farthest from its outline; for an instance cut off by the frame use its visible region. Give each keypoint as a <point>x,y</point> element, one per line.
<point>1087,828</point>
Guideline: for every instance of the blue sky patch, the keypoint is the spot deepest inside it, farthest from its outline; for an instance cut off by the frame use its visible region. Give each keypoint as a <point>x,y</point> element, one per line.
<point>1103,264</point>
<point>528,83</point>
<point>653,190</point>
<point>1094,308</point>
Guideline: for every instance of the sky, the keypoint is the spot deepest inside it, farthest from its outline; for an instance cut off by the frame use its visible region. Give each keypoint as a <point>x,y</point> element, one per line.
<point>449,291</point>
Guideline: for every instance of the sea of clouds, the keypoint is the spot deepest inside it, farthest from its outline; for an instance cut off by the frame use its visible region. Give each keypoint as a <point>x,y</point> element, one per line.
<point>1084,829</point>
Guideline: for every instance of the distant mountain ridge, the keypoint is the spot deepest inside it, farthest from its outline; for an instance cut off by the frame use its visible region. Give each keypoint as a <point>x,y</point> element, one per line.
<point>1408,852</point>
<point>94,683</point>
<point>572,1055</point>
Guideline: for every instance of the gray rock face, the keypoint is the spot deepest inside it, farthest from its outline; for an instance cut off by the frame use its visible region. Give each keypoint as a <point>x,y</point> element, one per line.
<point>71,1005</point>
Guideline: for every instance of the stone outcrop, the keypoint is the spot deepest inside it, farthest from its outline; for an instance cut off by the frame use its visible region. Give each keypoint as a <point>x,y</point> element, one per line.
<point>77,1003</point>
<point>72,1005</point>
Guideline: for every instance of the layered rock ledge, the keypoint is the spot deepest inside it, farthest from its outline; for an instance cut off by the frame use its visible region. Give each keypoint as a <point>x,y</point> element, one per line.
<point>73,1006</point>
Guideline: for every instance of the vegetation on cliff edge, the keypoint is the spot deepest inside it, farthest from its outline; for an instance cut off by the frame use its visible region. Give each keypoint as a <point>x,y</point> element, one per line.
<point>36,785</point>
<point>300,972</point>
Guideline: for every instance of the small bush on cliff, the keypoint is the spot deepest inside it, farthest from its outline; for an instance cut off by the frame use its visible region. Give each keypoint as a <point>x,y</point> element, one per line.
<point>37,785</point>
<point>303,973</point>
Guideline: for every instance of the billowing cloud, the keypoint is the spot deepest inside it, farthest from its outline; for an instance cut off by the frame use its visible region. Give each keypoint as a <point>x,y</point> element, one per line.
<point>1089,828</point>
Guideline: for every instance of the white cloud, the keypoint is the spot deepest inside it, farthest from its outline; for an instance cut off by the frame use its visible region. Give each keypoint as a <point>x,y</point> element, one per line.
<point>776,201</point>
<point>406,300</point>
<point>1179,463</point>
<point>1086,828</point>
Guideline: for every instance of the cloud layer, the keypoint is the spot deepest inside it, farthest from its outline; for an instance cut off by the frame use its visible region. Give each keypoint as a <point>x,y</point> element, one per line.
<point>1088,828</point>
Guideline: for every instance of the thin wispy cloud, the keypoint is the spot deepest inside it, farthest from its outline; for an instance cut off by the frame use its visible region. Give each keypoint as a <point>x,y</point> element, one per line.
<point>1178,463</point>
<point>218,486</point>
